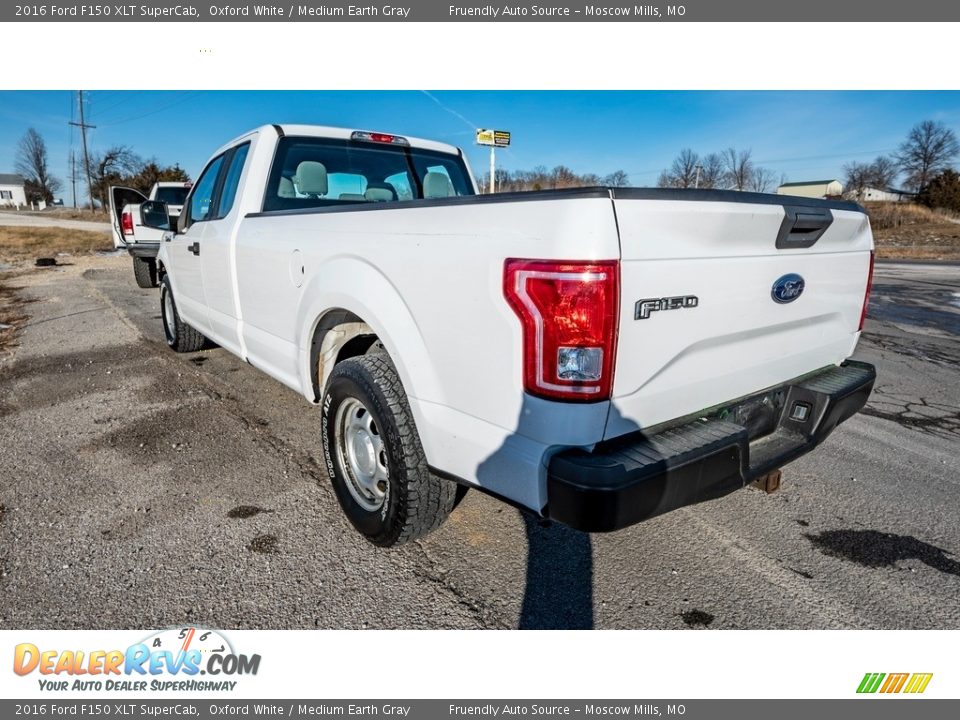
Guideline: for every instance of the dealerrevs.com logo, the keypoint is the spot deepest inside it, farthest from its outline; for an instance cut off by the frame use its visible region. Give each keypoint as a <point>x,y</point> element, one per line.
<point>169,660</point>
<point>890,683</point>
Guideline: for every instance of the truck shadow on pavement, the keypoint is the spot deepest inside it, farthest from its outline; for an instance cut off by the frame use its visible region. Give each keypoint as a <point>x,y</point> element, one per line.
<point>874,549</point>
<point>559,589</point>
<point>559,573</point>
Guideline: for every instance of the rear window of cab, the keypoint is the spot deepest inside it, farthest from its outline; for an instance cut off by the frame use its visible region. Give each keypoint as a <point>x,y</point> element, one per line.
<point>317,172</point>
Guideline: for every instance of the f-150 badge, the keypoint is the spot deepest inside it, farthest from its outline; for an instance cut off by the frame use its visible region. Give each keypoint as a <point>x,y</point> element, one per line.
<point>643,308</point>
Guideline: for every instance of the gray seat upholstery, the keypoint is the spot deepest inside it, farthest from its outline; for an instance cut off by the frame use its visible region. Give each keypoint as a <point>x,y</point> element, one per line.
<point>311,178</point>
<point>351,196</point>
<point>437,185</point>
<point>380,192</point>
<point>286,189</point>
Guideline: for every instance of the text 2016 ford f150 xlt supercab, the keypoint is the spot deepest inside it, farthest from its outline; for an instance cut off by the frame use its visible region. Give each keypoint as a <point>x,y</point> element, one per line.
<point>596,356</point>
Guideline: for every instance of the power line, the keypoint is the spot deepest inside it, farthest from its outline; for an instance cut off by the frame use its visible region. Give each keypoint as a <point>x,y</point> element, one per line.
<point>184,98</point>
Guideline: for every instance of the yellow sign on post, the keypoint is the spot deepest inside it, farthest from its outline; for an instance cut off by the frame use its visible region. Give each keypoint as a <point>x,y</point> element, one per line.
<point>494,138</point>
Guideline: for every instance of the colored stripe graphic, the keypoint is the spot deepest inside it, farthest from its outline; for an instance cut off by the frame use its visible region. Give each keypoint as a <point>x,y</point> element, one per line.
<point>918,682</point>
<point>870,682</point>
<point>894,683</point>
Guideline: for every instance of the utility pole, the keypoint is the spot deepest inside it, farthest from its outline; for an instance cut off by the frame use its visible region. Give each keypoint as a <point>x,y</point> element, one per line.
<point>493,170</point>
<point>73,177</point>
<point>86,157</point>
<point>696,183</point>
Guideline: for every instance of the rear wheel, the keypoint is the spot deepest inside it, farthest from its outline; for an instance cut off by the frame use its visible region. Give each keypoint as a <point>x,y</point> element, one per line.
<point>180,336</point>
<point>145,271</point>
<point>374,456</point>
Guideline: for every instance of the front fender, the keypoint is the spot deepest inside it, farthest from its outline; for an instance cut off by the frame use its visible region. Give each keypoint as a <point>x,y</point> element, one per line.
<point>354,284</point>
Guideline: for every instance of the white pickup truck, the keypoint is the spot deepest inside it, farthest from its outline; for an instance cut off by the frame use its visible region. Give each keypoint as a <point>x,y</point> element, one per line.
<point>595,356</point>
<point>129,231</point>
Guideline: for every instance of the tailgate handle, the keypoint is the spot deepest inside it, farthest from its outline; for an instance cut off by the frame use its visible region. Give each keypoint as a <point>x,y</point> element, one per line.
<point>802,226</point>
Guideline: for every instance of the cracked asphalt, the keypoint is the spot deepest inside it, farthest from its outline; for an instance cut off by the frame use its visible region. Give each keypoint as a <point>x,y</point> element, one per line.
<point>143,489</point>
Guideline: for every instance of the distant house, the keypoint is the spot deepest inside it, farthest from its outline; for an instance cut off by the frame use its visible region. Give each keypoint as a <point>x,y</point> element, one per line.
<point>12,192</point>
<point>812,188</point>
<point>871,194</point>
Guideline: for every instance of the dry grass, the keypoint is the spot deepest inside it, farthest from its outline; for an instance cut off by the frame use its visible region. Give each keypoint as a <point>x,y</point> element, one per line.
<point>28,243</point>
<point>888,216</point>
<point>904,230</point>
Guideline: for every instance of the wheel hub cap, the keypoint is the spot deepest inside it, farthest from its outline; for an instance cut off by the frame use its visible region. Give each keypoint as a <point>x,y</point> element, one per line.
<point>361,454</point>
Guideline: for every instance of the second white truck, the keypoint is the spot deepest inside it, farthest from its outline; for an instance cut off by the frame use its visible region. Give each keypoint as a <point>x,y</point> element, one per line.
<point>596,356</point>
<point>131,233</point>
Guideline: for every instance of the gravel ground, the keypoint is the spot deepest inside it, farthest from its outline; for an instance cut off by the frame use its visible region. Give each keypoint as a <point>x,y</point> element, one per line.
<point>145,489</point>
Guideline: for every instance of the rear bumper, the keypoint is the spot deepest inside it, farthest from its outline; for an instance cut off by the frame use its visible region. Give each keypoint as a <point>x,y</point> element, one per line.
<point>143,250</point>
<point>640,476</point>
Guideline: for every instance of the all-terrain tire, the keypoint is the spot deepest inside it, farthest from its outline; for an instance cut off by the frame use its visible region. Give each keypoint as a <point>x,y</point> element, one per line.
<point>416,500</point>
<point>180,336</point>
<point>145,271</point>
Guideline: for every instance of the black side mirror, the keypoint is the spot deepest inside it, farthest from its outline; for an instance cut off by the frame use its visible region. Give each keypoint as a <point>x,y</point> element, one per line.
<point>154,214</point>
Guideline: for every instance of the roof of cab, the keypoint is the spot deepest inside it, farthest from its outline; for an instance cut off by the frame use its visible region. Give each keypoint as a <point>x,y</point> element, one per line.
<point>339,134</point>
<point>346,133</point>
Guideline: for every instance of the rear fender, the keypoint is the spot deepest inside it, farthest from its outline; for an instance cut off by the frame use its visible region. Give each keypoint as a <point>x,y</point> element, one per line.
<point>354,285</point>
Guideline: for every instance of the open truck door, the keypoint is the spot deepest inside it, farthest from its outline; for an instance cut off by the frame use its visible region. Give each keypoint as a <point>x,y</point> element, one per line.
<point>122,227</point>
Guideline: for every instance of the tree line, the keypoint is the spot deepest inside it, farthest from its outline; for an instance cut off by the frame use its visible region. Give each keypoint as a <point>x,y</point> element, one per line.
<point>115,165</point>
<point>923,160</point>
<point>540,178</point>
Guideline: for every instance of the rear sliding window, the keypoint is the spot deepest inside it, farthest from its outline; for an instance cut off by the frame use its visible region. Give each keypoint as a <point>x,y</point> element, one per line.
<point>172,195</point>
<point>317,172</point>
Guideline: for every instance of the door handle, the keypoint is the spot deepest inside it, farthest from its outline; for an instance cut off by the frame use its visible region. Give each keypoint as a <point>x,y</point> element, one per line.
<point>194,248</point>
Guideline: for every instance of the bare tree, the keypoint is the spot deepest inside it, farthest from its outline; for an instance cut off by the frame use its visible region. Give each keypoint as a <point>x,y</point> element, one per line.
<point>109,166</point>
<point>856,177</point>
<point>618,178</point>
<point>883,171</point>
<point>738,167</point>
<point>31,162</point>
<point>929,149</point>
<point>712,174</point>
<point>762,180</point>
<point>682,172</point>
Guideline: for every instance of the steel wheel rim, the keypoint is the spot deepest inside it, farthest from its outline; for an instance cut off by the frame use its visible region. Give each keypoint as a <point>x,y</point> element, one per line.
<point>168,322</point>
<point>361,454</point>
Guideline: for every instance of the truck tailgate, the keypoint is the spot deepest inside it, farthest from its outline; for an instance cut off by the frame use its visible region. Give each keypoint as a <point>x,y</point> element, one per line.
<point>712,259</point>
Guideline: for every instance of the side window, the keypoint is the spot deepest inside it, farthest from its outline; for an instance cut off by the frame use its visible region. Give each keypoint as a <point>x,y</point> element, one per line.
<point>232,181</point>
<point>201,201</point>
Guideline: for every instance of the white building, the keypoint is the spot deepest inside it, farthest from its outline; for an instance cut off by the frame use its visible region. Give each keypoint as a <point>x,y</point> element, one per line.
<point>812,189</point>
<point>12,193</point>
<point>872,194</point>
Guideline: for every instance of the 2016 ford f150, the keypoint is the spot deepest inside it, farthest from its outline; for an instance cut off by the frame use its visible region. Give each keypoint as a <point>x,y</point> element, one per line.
<point>596,356</point>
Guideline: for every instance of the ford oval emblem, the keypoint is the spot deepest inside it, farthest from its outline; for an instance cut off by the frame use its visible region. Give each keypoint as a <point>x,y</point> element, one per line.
<point>787,288</point>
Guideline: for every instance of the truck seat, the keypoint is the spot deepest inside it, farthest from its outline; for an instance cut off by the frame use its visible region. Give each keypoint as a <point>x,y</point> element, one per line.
<point>437,185</point>
<point>311,178</point>
<point>286,189</point>
<point>380,192</point>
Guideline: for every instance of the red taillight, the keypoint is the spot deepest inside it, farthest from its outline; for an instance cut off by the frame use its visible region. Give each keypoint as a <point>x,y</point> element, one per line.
<point>126,222</point>
<point>569,313</point>
<point>866,295</point>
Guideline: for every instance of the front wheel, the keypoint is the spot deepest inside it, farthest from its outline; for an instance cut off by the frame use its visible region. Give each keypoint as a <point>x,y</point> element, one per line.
<point>180,336</point>
<point>374,456</point>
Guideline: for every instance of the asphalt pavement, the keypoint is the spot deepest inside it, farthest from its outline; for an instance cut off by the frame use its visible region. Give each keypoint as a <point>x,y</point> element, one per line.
<point>145,489</point>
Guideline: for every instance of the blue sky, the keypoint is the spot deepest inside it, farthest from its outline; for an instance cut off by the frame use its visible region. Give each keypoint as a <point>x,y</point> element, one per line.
<point>804,135</point>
